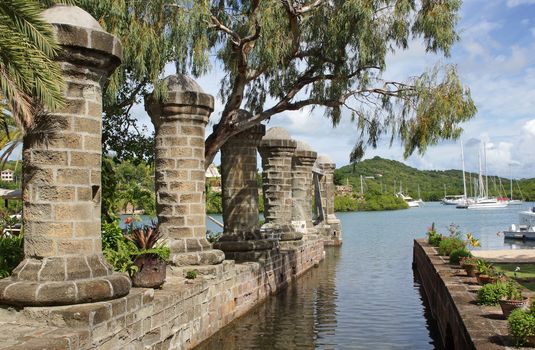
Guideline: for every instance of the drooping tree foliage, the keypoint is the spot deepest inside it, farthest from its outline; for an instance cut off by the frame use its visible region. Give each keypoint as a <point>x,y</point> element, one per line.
<point>282,55</point>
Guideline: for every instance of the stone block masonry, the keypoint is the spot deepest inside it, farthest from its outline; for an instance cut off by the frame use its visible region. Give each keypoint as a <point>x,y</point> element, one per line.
<point>179,316</point>
<point>242,239</point>
<point>330,227</point>
<point>179,123</point>
<point>302,162</point>
<point>450,296</point>
<point>277,149</point>
<point>63,262</point>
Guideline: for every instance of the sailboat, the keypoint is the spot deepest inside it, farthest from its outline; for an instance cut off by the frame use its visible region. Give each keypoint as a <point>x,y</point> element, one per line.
<point>511,200</point>
<point>484,202</point>
<point>408,199</point>
<point>419,200</point>
<point>464,201</point>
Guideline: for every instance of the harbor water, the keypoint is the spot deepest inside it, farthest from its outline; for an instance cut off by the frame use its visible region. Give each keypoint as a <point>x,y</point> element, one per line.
<point>364,295</point>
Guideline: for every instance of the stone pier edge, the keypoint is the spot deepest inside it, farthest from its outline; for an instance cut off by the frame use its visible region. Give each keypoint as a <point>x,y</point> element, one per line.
<point>451,299</point>
<point>179,316</point>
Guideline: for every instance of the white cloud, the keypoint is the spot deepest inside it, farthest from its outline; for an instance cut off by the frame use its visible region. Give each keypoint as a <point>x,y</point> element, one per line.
<point>530,127</point>
<point>514,3</point>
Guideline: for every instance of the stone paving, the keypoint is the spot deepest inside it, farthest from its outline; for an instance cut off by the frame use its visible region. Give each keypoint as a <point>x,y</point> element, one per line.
<point>507,255</point>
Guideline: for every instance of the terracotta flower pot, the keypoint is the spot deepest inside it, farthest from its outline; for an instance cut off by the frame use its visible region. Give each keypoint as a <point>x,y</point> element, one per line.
<point>486,279</point>
<point>509,305</point>
<point>470,269</point>
<point>151,271</point>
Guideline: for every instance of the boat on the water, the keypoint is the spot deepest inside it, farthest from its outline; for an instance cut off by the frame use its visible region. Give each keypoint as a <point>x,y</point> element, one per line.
<point>408,199</point>
<point>484,203</point>
<point>526,226</point>
<point>453,199</point>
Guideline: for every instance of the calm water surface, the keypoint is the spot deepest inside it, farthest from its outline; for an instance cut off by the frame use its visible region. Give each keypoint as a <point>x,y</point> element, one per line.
<point>363,296</point>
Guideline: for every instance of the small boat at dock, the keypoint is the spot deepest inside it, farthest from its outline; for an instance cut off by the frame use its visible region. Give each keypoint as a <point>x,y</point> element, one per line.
<point>526,226</point>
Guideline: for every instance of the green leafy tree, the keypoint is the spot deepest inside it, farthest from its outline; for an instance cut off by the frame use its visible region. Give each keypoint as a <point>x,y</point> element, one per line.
<point>283,55</point>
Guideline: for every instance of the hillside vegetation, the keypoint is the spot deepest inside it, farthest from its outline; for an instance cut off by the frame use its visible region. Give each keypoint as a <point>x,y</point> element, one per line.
<point>387,176</point>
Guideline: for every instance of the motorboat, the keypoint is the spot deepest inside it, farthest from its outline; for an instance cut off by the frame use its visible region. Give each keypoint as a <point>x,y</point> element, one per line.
<point>409,200</point>
<point>525,229</point>
<point>453,199</point>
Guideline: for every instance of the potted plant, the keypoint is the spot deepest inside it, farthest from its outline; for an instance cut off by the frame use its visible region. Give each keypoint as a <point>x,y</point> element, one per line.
<point>512,299</point>
<point>150,258</point>
<point>469,264</point>
<point>487,274</point>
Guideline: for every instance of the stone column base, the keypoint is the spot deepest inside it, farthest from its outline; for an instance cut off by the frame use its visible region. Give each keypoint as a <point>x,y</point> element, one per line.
<point>331,233</point>
<point>62,281</point>
<point>281,232</point>
<point>246,250</point>
<point>204,257</point>
<point>194,251</point>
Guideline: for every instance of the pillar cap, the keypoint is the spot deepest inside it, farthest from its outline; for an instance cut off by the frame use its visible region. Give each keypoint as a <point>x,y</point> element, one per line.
<point>71,15</point>
<point>277,137</point>
<point>185,100</point>
<point>303,150</point>
<point>76,28</point>
<point>324,161</point>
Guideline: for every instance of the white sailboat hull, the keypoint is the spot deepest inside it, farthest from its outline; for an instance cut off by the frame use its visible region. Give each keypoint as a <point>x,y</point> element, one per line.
<point>486,204</point>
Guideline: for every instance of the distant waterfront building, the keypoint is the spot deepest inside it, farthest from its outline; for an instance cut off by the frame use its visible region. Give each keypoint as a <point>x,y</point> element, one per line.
<point>7,175</point>
<point>213,177</point>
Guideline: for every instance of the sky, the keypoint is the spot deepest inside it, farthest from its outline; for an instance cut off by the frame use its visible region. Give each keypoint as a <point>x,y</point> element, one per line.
<point>495,59</point>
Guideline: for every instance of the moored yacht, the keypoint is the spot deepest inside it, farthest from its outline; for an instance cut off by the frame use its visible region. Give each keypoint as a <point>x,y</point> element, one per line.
<point>453,199</point>
<point>408,199</point>
<point>483,203</point>
<point>526,226</point>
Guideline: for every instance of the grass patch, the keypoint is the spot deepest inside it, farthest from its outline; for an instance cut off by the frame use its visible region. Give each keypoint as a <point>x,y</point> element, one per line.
<point>525,277</point>
<point>527,271</point>
<point>528,285</point>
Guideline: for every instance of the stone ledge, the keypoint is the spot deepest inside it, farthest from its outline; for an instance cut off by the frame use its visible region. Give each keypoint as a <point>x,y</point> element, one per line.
<point>451,297</point>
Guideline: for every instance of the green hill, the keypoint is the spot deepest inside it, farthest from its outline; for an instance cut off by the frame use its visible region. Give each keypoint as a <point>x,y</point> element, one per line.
<point>387,176</point>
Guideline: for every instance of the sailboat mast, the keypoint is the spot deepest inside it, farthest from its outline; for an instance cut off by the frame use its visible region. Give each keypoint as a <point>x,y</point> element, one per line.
<point>486,174</point>
<point>481,185</point>
<point>464,176</point>
<point>511,182</point>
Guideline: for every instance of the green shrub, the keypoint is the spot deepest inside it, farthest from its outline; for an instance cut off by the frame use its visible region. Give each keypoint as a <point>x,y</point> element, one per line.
<point>191,275</point>
<point>521,325</point>
<point>111,233</point>
<point>491,293</point>
<point>434,239</point>
<point>345,203</point>
<point>11,253</point>
<point>449,244</point>
<point>457,254</point>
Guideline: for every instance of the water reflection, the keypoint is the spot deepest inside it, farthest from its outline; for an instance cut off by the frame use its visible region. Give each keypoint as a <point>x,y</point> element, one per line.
<point>300,317</point>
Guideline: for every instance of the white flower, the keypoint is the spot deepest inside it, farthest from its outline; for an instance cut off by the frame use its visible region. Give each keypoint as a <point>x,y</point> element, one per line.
<point>517,269</point>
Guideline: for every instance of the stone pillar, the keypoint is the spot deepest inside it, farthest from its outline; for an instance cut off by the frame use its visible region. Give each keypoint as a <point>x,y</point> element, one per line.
<point>277,149</point>
<point>179,122</point>
<point>241,239</point>
<point>302,163</point>
<point>331,227</point>
<point>63,262</point>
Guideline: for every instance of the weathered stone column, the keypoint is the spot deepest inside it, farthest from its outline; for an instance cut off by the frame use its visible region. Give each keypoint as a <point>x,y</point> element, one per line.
<point>302,163</point>
<point>330,227</point>
<point>179,123</point>
<point>241,239</point>
<point>277,149</point>
<point>63,262</point>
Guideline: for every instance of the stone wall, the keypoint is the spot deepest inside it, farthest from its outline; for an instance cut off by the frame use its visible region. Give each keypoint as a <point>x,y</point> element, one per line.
<point>179,316</point>
<point>451,296</point>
